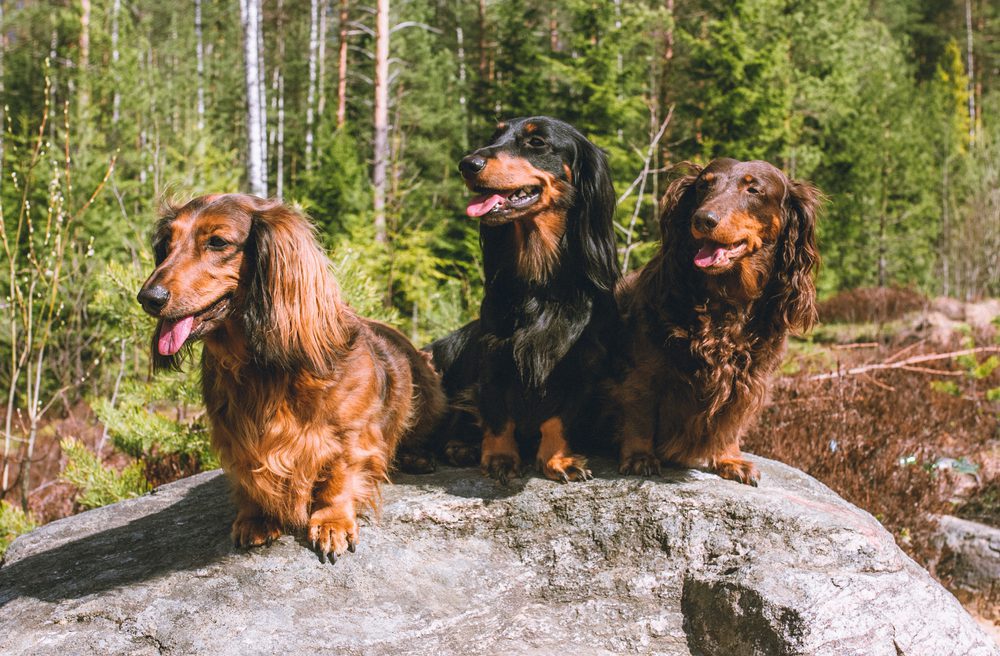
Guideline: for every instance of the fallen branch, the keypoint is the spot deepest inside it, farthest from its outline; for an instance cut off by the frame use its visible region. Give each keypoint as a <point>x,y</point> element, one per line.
<point>907,363</point>
<point>856,345</point>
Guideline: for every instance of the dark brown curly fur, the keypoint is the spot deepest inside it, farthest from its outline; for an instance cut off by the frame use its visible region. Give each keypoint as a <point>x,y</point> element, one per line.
<point>307,401</point>
<point>706,319</point>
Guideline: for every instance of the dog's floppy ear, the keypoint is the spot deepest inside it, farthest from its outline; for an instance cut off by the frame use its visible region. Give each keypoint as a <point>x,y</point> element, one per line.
<point>161,238</point>
<point>798,257</point>
<point>592,230</point>
<point>291,304</point>
<point>677,202</point>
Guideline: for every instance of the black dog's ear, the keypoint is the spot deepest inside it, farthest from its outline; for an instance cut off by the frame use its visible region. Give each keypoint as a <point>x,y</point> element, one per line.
<point>678,202</point>
<point>592,230</point>
<point>798,257</point>
<point>291,304</point>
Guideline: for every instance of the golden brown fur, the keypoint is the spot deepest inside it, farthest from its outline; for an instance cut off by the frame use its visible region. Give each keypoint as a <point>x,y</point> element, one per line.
<point>705,332</point>
<point>307,401</point>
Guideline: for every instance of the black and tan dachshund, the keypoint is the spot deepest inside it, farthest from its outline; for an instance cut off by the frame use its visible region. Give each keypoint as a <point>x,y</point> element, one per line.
<point>529,368</point>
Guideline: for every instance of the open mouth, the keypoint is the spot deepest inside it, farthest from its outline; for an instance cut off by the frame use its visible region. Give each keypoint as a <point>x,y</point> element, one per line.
<point>496,203</point>
<point>713,255</point>
<point>174,333</point>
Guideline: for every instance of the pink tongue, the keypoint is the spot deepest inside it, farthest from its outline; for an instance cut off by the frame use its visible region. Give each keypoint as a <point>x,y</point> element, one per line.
<point>480,205</point>
<point>708,255</point>
<point>173,334</point>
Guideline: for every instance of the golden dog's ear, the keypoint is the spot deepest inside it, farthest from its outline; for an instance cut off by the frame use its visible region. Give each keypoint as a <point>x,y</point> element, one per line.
<point>291,303</point>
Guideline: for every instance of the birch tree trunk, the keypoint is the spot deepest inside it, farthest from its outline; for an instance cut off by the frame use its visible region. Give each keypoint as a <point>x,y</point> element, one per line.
<point>311,92</point>
<point>279,69</point>
<point>342,67</point>
<point>84,55</point>
<point>381,116</point>
<point>3,116</point>
<point>199,51</point>
<point>116,100</point>
<point>262,83</point>
<point>256,155</point>
<point>462,89</point>
<point>324,9</point>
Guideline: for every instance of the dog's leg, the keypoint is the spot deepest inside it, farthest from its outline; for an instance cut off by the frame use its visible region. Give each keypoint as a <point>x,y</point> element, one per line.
<point>555,459</point>
<point>500,456</point>
<point>252,527</point>
<point>731,465</point>
<point>635,436</point>
<point>333,524</point>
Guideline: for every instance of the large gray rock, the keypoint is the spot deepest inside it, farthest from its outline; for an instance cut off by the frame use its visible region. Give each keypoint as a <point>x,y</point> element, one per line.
<point>684,564</point>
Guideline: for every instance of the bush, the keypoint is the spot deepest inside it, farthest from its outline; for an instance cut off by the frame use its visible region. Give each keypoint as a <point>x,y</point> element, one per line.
<point>871,305</point>
<point>13,522</point>
<point>886,442</point>
<point>99,485</point>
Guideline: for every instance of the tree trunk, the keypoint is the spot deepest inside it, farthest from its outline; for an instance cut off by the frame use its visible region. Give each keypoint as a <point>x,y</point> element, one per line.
<point>280,156</point>
<point>311,93</point>
<point>342,67</point>
<point>483,57</point>
<point>199,51</point>
<point>883,222</point>
<point>462,90</point>
<point>256,155</point>
<point>381,116</point>
<point>3,117</point>
<point>84,95</point>
<point>972,71</point>
<point>279,92</point>
<point>324,9</point>
<point>262,83</point>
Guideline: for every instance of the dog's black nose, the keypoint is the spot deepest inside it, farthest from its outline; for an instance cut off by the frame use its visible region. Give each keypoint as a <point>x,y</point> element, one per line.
<point>153,298</point>
<point>471,165</point>
<point>705,220</point>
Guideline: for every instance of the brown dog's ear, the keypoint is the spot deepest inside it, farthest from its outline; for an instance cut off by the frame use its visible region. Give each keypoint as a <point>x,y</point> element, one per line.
<point>798,258</point>
<point>677,202</point>
<point>291,305</point>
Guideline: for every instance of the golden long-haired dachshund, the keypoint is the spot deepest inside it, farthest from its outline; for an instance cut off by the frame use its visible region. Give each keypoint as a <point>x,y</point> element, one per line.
<point>307,401</point>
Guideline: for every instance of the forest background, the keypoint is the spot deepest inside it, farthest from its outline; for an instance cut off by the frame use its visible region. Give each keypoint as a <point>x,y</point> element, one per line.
<point>359,114</point>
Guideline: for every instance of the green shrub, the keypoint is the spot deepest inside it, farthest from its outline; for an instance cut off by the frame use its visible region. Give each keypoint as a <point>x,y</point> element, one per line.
<point>13,522</point>
<point>98,485</point>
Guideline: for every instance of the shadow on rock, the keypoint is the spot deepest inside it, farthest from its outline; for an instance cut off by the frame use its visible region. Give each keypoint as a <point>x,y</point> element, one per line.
<point>188,534</point>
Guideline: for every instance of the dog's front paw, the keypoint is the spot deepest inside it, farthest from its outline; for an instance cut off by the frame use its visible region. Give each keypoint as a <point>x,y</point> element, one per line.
<point>565,468</point>
<point>640,464</point>
<point>501,466</point>
<point>254,531</point>
<point>462,454</point>
<point>415,461</point>
<point>333,534</point>
<point>737,469</point>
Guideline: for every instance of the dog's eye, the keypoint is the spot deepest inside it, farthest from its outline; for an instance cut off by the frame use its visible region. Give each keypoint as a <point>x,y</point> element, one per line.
<point>536,142</point>
<point>217,243</point>
<point>753,190</point>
